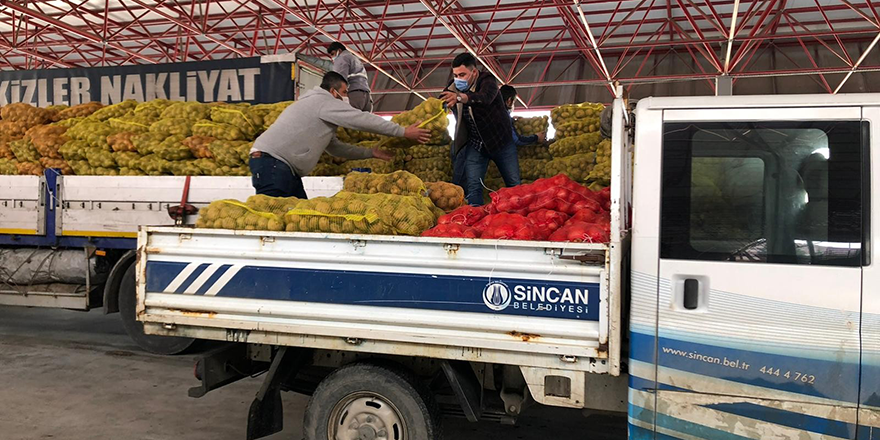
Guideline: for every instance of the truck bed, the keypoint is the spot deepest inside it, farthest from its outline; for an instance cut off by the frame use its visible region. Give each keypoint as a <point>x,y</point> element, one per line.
<point>537,304</point>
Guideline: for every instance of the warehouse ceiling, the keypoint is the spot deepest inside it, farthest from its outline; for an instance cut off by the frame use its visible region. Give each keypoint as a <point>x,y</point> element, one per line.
<point>549,49</point>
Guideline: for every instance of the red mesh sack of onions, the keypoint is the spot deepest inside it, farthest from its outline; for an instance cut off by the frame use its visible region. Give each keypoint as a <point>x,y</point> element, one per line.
<point>557,193</point>
<point>547,221</point>
<point>454,230</point>
<point>580,232</point>
<point>465,215</point>
<point>507,226</point>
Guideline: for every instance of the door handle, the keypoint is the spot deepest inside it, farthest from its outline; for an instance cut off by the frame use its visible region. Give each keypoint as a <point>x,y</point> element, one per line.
<point>691,294</point>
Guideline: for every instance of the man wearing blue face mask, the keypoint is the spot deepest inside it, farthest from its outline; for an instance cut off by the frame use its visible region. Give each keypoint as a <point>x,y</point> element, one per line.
<point>352,69</point>
<point>483,130</point>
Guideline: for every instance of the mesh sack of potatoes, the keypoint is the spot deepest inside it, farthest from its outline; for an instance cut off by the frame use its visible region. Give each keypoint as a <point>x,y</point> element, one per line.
<point>270,118</point>
<point>534,151</point>
<point>275,205</point>
<point>427,151</point>
<point>185,168</point>
<point>55,112</point>
<point>24,150</point>
<point>398,182</point>
<point>74,150</point>
<point>69,122</point>
<point>244,152</point>
<point>576,167</point>
<point>114,111</point>
<point>328,169</point>
<point>441,164</point>
<point>29,168</point>
<point>47,139</point>
<point>241,171</point>
<point>154,165</point>
<point>187,110</point>
<point>122,141</point>
<point>56,163</point>
<point>584,143</point>
<point>172,148</point>
<point>86,128</point>
<point>228,152</point>
<point>209,167</point>
<point>446,196</point>
<point>199,146</point>
<point>172,126</point>
<point>131,172</point>
<point>80,110</point>
<point>577,128</point>
<point>248,122</point>
<point>80,167</point>
<point>600,176</point>
<point>531,126</point>
<point>570,112</point>
<point>429,115</point>
<point>533,169</point>
<point>100,158</point>
<point>126,159</point>
<point>147,143</point>
<point>348,213</point>
<point>132,123</point>
<point>7,166</point>
<point>5,151</point>
<point>103,171</point>
<point>14,129</point>
<point>217,130</point>
<point>373,165</point>
<point>25,113</point>
<point>152,109</point>
<point>232,214</point>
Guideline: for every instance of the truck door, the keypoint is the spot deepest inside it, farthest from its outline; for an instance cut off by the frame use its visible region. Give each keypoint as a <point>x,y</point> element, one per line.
<point>759,292</point>
<point>869,398</point>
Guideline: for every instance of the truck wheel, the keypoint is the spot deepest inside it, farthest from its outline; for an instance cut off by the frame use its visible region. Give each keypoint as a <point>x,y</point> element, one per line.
<point>376,402</point>
<point>166,345</point>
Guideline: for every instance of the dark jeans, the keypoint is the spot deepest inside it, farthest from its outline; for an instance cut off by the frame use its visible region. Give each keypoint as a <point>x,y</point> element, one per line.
<point>476,162</point>
<point>273,177</point>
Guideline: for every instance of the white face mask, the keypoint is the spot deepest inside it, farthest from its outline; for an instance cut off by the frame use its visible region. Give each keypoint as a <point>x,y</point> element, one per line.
<point>345,100</point>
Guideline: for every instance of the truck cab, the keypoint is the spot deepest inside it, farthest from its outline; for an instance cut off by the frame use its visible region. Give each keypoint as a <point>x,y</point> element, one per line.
<point>752,305</point>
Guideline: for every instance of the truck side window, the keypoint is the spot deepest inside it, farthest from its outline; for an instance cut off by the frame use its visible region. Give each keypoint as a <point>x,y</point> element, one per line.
<point>766,192</point>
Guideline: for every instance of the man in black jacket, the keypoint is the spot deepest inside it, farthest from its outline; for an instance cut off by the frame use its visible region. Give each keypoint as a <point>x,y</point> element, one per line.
<point>483,131</point>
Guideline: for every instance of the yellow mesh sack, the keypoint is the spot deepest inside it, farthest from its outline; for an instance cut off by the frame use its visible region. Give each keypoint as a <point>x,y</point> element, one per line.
<point>132,123</point>
<point>534,151</point>
<point>533,169</point>
<point>80,110</point>
<point>531,126</point>
<point>114,111</point>
<point>228,153</point>
<point>398,182</point>
<point>24,150</point>
<point>185,168</point>
<point>577,128</point>
<point>274,205</point>
<point>351,213</point>
<point>217,130</point>
<point>577,167</point>
<point>232,214</point>
<point>8,167</point>
<point>427,152</point>
<point>99,158</point>
<point>569,146</point>
<point>187,110</point>
<point>429,115</point>
<point>153,165</point>
<point>374,165</point>
<point>172,148</point>
<point>446,196</point>
<point>250,123</point>
<point>569,112</point>
<point>328,169</point>
<point>147,143</point>
<point>172,126</point>
<point>126,159</point>
<point>418,166</point>
<point>152,109</point>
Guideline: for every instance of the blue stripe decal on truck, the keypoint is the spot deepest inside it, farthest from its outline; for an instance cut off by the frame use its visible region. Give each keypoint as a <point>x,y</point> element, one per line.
<point>791,419</point>
<point>543,298</point>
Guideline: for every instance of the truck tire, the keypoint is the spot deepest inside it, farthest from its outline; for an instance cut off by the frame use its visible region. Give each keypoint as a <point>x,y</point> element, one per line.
<point>367,400</point>
<point>165,345</point>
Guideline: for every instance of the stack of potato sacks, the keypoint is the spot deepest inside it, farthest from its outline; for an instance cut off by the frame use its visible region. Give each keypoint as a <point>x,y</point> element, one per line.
<point>579,150</point>
<point>397,203</point>
<point>158,137</point>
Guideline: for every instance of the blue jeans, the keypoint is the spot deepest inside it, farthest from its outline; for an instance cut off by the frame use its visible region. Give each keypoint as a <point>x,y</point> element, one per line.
<point>476,162</point>
<point>274,178</point>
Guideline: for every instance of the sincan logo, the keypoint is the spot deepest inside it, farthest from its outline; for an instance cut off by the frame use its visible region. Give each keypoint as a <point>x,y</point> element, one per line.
<point>497,296</point>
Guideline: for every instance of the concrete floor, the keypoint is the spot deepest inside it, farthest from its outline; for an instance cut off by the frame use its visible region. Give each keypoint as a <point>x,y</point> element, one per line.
<point>76,376</point>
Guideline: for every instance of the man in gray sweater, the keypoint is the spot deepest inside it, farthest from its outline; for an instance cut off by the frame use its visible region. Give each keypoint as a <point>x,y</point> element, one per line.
<point>352,69</point>
<point>291,147</point>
